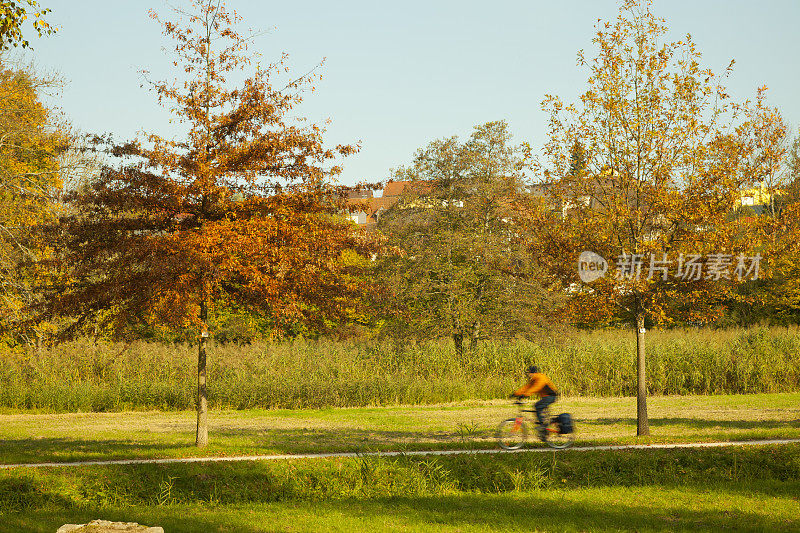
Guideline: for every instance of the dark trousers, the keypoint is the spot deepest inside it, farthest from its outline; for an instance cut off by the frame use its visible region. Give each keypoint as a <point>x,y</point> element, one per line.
<point>542,404</point>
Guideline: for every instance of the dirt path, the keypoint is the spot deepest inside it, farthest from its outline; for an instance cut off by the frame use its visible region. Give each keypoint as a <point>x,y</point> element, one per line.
<point>768,442</point>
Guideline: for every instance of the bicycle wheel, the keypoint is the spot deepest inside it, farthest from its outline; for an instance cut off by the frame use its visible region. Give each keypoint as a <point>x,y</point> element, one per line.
<point>554,437</point>
<point>512,433</point>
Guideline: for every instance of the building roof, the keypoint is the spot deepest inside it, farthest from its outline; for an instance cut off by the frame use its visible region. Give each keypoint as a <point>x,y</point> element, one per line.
<point>397,188</point>
<point>359,194</point>
<point>392,192</point>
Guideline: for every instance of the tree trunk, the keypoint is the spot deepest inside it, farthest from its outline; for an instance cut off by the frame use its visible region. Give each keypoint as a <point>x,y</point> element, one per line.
<point>642,423</point>
<point>458,340</point>
<point>202,393</point>
<point>473,337</point>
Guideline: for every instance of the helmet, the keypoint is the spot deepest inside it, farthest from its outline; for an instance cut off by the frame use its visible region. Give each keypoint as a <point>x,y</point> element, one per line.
<point>532,369</point>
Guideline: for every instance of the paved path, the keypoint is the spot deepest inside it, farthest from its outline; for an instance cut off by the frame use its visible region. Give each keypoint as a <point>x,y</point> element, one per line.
<point>409,453</point>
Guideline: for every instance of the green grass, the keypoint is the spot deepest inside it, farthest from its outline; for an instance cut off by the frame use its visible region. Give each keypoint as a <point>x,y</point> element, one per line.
<point>84,376</point>
<point>739,489</point>
<point>617,509</point>
<point>31,437</point>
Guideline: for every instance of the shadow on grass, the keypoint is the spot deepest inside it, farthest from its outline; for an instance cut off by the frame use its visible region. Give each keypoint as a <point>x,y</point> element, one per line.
<point>172,519</point>
<point>698,423</point>
<point>349,439</point>
<point>20,493</point>
<point>266,441</point>
<point>590,491</point>
<point>45,450</point>
<point>523,513</point>
<point>619,511</point>
<point>247,441</point>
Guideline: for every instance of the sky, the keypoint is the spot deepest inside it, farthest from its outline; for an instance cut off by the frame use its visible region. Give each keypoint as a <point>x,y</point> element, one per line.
<point>398,75</point>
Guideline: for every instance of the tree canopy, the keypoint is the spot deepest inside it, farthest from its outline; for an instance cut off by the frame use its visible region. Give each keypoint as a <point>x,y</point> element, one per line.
<point>32,141</point>
<point>240,210</point>
<point>644,170</point>
<point>464,273</point>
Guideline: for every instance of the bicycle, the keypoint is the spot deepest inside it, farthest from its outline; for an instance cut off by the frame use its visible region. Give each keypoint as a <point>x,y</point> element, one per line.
<point>513,432</point>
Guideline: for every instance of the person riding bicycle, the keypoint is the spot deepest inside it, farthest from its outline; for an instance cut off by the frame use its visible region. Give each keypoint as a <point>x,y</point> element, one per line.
<point>540,384</point>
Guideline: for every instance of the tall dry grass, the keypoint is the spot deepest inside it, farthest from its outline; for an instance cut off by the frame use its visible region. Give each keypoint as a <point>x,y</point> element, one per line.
<point>85,376</point>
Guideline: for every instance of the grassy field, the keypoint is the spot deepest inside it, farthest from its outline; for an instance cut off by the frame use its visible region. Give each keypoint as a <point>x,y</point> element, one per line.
<point>640,509</point>
<point>327,397</point>
<point>29,437</point>
<point>98,377</point>
<point>736,489</point>
<point>753,488</point>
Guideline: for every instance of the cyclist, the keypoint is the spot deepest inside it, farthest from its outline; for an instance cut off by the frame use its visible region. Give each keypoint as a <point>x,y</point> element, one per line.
<point>539,384</point>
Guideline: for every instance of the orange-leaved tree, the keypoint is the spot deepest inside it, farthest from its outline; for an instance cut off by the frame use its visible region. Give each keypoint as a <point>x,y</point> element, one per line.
<point>242,209</point>
<point>644,171</point>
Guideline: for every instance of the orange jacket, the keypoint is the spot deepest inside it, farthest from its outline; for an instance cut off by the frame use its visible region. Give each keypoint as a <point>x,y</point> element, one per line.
<point>538,384</point>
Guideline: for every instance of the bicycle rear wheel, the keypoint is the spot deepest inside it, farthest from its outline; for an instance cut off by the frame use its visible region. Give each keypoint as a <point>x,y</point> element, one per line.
<point>512,433</point>
<point>554,437</point>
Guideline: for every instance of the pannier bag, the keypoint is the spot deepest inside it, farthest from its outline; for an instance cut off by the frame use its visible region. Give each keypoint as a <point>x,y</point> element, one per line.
<point>565,423</point>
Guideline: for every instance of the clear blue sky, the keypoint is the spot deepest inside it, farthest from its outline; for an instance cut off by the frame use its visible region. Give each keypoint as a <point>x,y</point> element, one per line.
<point>400,74</point>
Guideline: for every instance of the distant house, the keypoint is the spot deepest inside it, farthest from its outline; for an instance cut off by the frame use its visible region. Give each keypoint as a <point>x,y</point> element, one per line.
<point>371,207</point>
<point>361,198</point>
<point>757,198</point>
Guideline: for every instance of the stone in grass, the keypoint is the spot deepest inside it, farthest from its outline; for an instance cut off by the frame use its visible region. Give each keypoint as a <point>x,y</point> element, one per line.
<point>104,526</point>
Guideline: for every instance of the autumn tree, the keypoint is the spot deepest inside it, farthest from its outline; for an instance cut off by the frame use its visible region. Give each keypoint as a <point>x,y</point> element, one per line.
<point>464,274</point>
<point>778,298</point>
<point>29,148</point>
<point>240,210</point>
<point>32,143</point>
<point>665,152</point>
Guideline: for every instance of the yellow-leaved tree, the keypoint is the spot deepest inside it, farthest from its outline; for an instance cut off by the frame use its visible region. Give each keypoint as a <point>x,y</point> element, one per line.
<point>642,174</point>
<point>32,141</point>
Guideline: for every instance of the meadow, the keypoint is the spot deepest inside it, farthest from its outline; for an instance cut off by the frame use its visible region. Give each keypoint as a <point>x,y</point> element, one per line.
<point>738,489</point>
<point>99,401</point>
<point>91,376</point>
<point>27,437</point>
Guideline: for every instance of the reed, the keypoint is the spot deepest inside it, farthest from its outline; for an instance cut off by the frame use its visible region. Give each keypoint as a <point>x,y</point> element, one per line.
<point>88,376</point>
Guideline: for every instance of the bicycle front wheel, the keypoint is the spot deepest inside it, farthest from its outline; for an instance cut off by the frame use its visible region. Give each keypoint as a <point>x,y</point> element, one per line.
<point>512,433</point>
<point>555,439</point>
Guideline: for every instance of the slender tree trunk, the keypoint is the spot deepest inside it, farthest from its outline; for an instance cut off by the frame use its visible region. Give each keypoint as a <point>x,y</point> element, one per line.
<point>642,423</point>
<point>458,340</point>
<point>473,337</point>
<point>202,393</point>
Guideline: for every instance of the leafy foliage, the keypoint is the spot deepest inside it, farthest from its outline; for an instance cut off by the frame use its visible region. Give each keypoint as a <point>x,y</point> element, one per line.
<point>31,144</point>
<point>464,273</point>
<point>12,16</point>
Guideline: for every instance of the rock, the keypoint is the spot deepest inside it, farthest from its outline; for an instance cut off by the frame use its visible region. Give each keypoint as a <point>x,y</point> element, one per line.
<point>104,526</point>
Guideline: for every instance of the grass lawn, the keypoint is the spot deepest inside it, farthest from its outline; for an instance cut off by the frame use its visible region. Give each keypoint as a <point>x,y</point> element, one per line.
<point>741,488</point>
<point>646,508</point>
<point>32,437</point>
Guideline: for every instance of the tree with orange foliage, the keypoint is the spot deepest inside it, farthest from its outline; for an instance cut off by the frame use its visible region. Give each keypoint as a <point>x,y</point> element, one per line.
<point>241,210</point>
<point>664,153</point>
